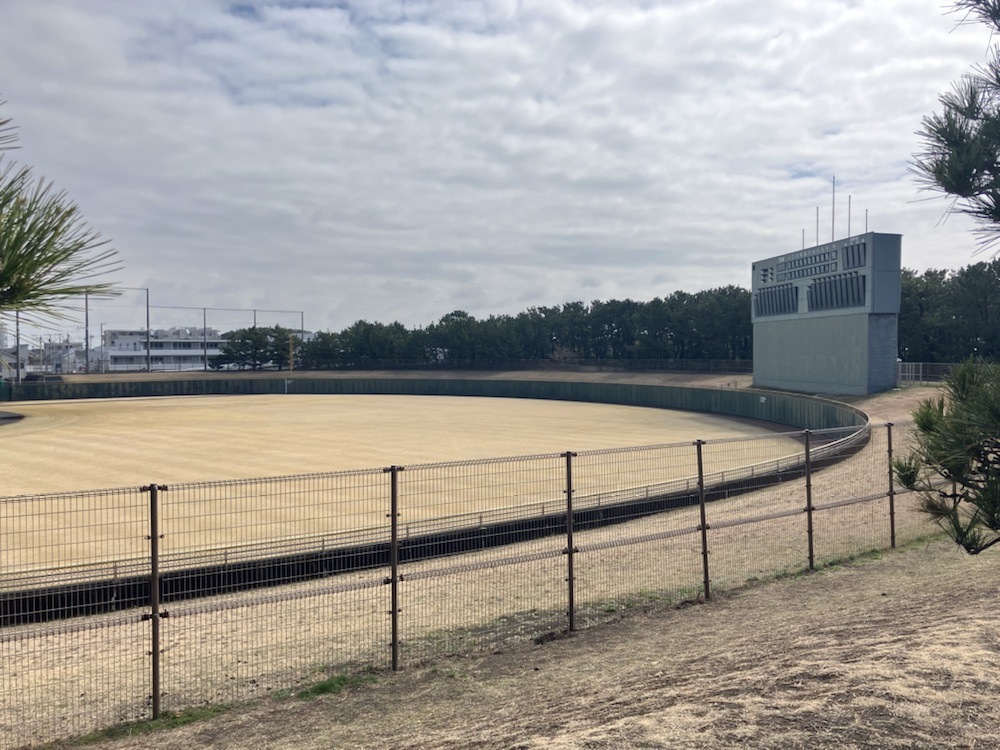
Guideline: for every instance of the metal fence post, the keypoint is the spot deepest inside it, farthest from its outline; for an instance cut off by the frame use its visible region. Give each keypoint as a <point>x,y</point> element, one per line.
<point>154,592</point>
<point>809,502</point>
<point>394,561</point>
<point>571,602</point>
<point>892,491</point>
<point>704,523</point>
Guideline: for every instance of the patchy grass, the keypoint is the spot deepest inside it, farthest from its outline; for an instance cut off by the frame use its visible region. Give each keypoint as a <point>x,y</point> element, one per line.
<point>334,685</point>
<point>169,720</point>
<point>166,720</point>
<point>849,657</point>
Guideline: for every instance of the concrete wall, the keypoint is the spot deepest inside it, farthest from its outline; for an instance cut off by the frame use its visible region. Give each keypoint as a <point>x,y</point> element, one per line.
<point>883,346</point>
<point>845,354</point>
<point>802,412</point>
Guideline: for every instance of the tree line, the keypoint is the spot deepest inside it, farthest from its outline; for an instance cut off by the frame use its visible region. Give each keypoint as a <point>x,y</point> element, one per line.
<point>948,316</point>
<point>709,325</point>
<point>945,316</point>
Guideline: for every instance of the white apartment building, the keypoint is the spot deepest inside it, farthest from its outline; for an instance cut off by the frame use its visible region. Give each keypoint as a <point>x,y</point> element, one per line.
<point>9,361</point>
<point>170,349</point>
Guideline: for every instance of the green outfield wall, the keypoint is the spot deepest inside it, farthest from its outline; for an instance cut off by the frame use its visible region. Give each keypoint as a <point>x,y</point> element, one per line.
<point>795,410</point>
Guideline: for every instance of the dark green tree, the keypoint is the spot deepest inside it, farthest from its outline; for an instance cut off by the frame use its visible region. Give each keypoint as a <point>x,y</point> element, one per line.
<point>722,328</point>
<point>371,345</point>
<point>926,325</point>
<point>681,312</point>
<point>614,325</point>
<point>573,334</point>
<point>282,345</point>
<point>534,332</point>
<point>455,338</point>
<point>497,340</point>
<point>955,465</point>
<point>712,324</point>
<point>975,304</point>
<point>246,348</point>
<point>325,351</point>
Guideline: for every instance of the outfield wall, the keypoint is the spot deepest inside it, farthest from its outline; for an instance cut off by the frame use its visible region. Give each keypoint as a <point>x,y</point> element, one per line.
<point>794,410</point>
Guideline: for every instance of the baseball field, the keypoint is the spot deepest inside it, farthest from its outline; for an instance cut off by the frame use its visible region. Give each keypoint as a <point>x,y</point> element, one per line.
<point>71,446</point>
<point>62,446</point>
<point>844,660</point>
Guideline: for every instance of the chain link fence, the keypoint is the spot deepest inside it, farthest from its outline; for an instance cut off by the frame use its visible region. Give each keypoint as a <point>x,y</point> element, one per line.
<point>118,605</point>
<point>917,373</point>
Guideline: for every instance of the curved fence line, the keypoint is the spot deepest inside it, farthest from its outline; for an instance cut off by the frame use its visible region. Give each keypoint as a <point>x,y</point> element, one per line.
<point>114,584</point>
<point>125,581</point>
<point>117,569</point>
<point>394,583</point>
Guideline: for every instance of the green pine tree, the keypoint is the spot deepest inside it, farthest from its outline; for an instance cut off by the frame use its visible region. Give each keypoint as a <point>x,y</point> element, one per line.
<point>955,464</point>
<point>48,255</point>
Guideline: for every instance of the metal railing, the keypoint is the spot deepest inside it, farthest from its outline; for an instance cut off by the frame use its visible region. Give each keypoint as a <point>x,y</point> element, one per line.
<point>915,373</point>
<point>118,604</point>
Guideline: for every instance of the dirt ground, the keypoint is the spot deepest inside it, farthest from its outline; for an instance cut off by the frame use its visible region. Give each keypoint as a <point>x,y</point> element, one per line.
<point>64,446</point>
<point>897,652</point>
<point>900,652</point>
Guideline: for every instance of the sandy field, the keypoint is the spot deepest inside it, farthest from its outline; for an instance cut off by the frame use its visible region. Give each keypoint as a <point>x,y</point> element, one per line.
<point>91,444</point>
<point>88,444</point>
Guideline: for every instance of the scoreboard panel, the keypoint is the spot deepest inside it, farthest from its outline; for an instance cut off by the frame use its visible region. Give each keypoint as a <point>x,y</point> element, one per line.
<point>856,274</point>
<point>825,318</point>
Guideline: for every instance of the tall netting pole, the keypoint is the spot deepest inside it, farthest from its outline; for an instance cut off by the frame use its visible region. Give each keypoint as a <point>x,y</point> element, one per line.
<point>809,502</point>
<point>154,593</point>
<point>571,602</point>
<point>394,562</point>
<point>704,522</point>
<point>892,491</point>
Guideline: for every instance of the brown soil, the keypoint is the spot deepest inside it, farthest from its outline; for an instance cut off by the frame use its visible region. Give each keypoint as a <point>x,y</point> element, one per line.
<point>901,652</point>
<point>73,445</point>
<point>898,652</point>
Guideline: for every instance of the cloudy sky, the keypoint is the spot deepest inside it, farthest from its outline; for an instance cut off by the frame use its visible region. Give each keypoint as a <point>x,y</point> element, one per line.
<point>400,160</point>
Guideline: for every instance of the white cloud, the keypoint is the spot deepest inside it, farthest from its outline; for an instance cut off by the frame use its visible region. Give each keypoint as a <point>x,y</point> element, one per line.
<point>398,161</point>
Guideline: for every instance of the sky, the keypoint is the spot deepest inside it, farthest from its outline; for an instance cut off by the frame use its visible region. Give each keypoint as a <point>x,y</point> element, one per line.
<point>397,161</point>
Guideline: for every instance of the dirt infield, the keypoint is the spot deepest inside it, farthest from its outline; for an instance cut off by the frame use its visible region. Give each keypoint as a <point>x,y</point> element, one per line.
<point>86,444</point>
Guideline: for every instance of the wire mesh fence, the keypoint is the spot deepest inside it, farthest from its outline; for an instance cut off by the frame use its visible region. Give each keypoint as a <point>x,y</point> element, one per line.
<point>909,373</point>
<point>628,550</point>
<point>73,646</point>
<point>468,533</point>
<point>120,604</point>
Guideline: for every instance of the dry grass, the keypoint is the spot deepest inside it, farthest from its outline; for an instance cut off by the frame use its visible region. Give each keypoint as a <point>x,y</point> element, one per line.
<point>901,652</point>
<point>64,446</point>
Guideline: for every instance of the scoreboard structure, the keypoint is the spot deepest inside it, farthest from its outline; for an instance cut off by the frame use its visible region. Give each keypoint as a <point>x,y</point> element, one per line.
<point>825,318</point>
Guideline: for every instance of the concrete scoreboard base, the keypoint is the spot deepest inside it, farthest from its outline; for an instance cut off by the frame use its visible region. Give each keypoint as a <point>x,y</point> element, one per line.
<point>847,354</point>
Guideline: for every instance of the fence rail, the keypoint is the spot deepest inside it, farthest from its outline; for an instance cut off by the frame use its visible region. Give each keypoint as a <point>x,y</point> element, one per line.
<point>910,373</point>
<point>222,591</point>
